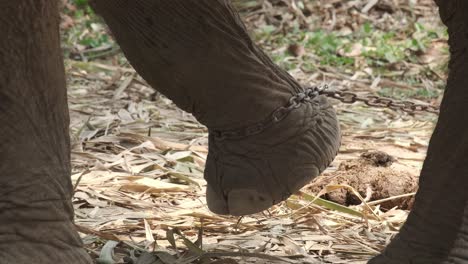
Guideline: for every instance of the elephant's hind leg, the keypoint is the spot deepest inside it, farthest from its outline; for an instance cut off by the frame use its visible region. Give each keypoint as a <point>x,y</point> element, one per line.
<point>36,214</point>
<point>437,228</point>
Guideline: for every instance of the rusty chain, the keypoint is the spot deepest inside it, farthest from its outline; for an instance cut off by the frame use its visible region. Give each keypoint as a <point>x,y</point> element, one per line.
<point>308,95</point>
<point>375,101</point>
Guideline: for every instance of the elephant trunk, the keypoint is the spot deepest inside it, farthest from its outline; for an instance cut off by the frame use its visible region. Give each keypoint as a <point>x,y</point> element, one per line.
<point>268,137</point>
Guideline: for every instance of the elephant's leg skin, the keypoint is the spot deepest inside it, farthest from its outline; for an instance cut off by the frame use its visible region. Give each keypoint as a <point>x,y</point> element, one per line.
<point>36,214</point>
<point>198,53</point>
<point>437,229</point>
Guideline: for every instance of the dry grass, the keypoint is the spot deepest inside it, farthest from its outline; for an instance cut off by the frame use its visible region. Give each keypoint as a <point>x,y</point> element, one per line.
<point>138,163</point>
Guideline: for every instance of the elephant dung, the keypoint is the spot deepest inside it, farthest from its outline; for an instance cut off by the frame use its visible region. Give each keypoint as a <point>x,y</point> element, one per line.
<point>375,176</point>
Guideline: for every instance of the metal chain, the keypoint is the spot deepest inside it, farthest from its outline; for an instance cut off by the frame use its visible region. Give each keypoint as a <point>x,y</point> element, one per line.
<point>376,101</point>
<point>312,92</point>
<point>279,114</point>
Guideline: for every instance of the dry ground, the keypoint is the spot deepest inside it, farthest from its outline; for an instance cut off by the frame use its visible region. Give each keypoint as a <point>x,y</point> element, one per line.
<point>138,160</point>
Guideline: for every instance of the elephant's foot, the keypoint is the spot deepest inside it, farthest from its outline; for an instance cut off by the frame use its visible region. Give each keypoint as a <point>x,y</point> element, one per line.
<point>36,225</point>
<point>199,54</point>
<point>250,174</point>
<point>430,242</point>
<point>27,243</point>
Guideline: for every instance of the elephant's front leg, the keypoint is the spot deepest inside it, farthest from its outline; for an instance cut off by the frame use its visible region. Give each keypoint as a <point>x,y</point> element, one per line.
<point>268,137</point>
<point>437,228</point>
<point>36,214</point>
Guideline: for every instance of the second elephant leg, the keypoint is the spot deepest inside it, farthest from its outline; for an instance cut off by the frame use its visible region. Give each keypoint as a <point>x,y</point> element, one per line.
<point>36,213</point>
<point>437,229</point>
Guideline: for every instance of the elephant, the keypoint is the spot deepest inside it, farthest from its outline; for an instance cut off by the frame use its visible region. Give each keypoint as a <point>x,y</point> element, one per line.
<point>268,136</point>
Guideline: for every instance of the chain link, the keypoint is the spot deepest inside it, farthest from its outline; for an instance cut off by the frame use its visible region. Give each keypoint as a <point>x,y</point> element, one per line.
<point>279,114</point>
<point>312,92</point>
<point>376,101</point>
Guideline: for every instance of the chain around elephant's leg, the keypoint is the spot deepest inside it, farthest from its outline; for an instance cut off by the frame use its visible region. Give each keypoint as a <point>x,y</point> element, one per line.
<point>36,214</point>
<point>264,144</point>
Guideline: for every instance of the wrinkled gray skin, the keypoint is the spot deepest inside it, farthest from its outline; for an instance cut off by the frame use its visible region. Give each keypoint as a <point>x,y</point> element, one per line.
<point>199,54</point>
<point>206,63</point>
